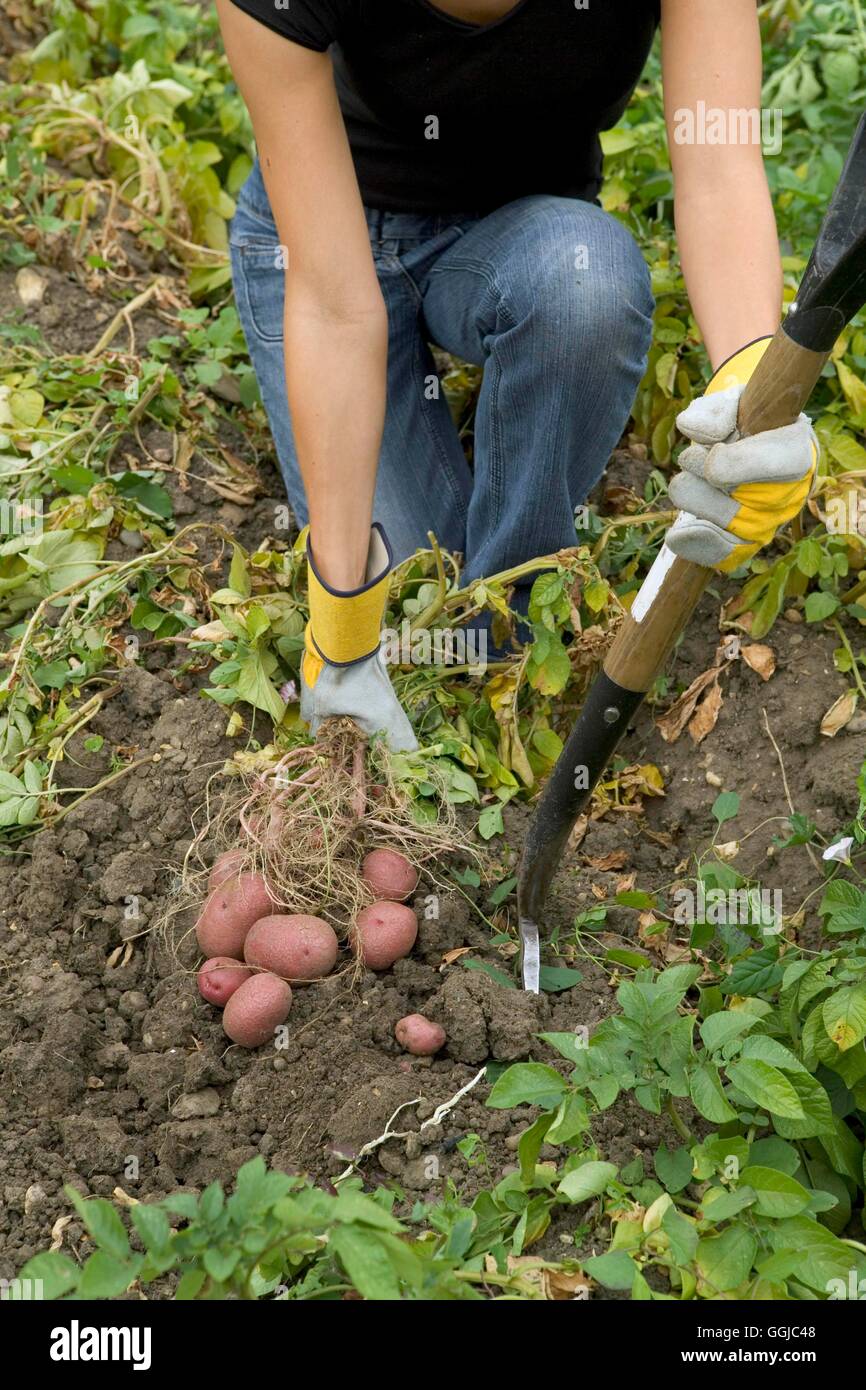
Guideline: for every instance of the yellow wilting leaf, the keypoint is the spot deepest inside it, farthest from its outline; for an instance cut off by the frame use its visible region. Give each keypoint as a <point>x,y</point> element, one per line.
<point>853,387</point>
<point>839,714</point>
<point>499,692</point>
<point>761,659</point>
<point>653,782</point>
<point>211,632</point>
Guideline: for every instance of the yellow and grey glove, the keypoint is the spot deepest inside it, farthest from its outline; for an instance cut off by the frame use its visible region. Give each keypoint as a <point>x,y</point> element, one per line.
<point>342,671</point>
<point>733,493</point>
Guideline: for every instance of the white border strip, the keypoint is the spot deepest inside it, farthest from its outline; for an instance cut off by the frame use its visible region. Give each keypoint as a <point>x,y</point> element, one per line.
<point>648,592</point>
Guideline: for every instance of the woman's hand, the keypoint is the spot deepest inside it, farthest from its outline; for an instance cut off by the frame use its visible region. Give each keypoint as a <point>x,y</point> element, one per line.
<point>734,494</point>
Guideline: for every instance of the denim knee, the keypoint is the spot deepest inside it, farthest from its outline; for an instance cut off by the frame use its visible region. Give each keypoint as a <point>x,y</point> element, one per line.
<point>577,274</point>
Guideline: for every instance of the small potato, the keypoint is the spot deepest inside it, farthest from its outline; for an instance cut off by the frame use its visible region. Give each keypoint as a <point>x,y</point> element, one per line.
<point>419,1035</point>
<point>229,913</point>
<point>226,866</point>
<point>295,946</point>
<point>391,876</point>
<point>384,932</point>
<point>219,977</point>
<point>259,1006</point>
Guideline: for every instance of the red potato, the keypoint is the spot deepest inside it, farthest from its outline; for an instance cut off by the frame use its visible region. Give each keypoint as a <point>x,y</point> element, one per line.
<point>295,946</point>
<point>229,913</point>
<point>219,977</point>
<point>419,1035</point>
<point>259,1006</point>
<point>384,932</point>
<point>226,866</point>
<point>390,875</point>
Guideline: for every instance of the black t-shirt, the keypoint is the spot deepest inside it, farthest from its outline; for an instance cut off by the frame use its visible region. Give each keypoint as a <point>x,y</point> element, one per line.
<point>446,116</point>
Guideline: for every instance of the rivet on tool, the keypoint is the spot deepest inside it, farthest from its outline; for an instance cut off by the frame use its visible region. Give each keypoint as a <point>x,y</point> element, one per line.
<point>611,715</point>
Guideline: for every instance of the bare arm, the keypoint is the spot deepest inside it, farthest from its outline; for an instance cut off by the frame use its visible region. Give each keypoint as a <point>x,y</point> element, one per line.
<point>724,216</point>
<point>335,328</point>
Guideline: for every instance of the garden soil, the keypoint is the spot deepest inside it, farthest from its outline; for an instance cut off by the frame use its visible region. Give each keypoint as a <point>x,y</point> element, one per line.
<point>114,1074</point>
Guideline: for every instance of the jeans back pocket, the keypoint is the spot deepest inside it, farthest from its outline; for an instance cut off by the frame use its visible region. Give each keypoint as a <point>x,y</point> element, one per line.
<point>258,269</point>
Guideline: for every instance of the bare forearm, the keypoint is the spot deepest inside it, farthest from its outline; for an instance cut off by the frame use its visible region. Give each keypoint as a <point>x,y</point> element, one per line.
<point>335,327</point>
<point>730,255</point>
<point>336,377</point>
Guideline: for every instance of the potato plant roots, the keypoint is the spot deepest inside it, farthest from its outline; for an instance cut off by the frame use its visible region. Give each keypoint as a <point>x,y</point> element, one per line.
<point>305,823</point>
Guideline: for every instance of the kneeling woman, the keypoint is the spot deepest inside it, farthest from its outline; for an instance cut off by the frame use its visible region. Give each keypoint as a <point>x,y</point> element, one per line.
<point>428,171</point>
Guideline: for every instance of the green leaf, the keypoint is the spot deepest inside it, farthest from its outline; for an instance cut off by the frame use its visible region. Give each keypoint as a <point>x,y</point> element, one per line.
<point>721,1027</point>
<point>53,1273</point>
<point>817,1112</point>
<point>769,1050</point>
<point>571,1046</point>
<point>548,668</point>
<point>529,1147</point>
<point>556,978</point>
<point>775,1153</point>
<point>358,1207</point>
<point>615,1270</point>
<point>147,495</point>
<point>102,1222</point>
<point>720,1205</point>
<point>152,1225</point>
<point>673,1168</point>
<point>26,407</point>
<point>841,73</point>
<point>590,1180</point>
<point>708,1097</point>
<point>635,898</point>
<point>820,1257</point>
<point>725,1261</point>
<point>766,1086</point>
<point>819,606</point>
<point>239,575</point>
<point>528,1083</point>
<point>777,1194</point>
<point>490,822</point>
<point>189,1285</point>
<point>103,1276</point>
<point>757,973</point>
<point>485,968</point>
<point>221,1264</point>
<point>844,1015</point>
<point>367,1262</point>
<point>211,1202</point>
<point>254,686</point>
<point>570,1120</point>
<point>726,807</point>
<point>682,1235</point>
<point>808,557</point>
<point>547,743</point>
<point>844,906</point>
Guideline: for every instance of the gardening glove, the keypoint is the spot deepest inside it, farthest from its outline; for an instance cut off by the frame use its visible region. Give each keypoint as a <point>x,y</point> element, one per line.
<point>342,671</point>
<point>733,494</point>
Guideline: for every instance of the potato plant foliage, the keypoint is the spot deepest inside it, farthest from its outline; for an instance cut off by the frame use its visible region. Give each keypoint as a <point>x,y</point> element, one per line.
<point>754,1045</point>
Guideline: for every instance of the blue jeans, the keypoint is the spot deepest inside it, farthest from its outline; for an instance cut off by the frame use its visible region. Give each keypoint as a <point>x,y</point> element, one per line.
<point>550,295</point>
